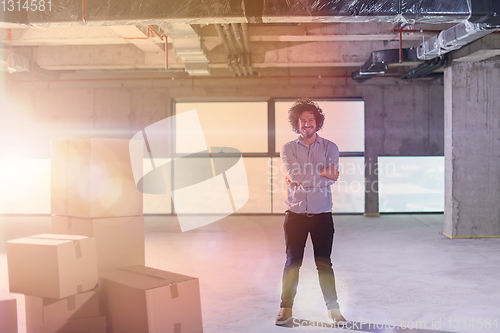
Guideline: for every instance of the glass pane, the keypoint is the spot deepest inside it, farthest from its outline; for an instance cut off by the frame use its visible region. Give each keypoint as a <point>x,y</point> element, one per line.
<point>259,201</point>
<point>258,170</point>
<point>344,124</point>
<point>241,125</point>
<point>411,184</point>
<point>25,186</point>
<point>348,193</point>
<point>156,203</point>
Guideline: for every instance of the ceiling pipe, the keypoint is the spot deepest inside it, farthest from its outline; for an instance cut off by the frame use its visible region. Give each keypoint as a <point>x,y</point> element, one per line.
<point>228,51</point>
<point>427,69</point>
<point>234,49</point>
<point>416,31</point>
<point>246,45</point>
<point>241,49</point>
<point>140,38</point>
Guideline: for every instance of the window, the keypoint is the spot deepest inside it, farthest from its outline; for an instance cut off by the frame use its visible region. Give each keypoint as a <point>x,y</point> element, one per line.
<point>411,184</point>
<point>24,186</point>
<point>241,125</point>
<point>344,124</point>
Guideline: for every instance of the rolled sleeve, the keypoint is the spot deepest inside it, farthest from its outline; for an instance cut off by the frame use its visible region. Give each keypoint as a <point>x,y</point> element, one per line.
<point>332,157</point>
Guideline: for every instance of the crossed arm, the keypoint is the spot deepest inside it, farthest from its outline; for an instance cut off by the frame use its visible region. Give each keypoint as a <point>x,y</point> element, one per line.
<point>329,172</point>
<point>311,178</point>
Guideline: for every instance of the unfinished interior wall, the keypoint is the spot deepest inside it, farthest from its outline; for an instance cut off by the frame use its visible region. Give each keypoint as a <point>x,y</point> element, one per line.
<point>401,117</point>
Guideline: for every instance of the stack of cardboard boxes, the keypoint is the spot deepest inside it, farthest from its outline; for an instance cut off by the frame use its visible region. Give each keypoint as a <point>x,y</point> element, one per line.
<point>57,273</point>
<point>94,194</point>
<point>98,238</point>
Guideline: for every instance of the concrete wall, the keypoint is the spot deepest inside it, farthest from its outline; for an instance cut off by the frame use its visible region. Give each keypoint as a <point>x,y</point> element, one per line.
<point>401,118</point>
<point>472,150</point>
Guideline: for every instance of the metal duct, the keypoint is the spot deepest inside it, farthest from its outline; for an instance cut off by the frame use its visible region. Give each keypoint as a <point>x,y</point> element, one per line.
<point>379,61</point>
<point>18,64</point>
<point>188,46</point>
<point>452,39</point>
<point>14,63</point>
<point>157,12</point>
<point>485,12</point>
<point>446,41</point>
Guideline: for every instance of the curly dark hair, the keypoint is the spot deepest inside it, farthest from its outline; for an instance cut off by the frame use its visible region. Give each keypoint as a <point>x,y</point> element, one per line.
<point>301,105</point>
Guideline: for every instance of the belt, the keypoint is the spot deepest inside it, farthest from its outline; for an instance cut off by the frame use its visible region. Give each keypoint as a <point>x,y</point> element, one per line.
<point>308,215</point>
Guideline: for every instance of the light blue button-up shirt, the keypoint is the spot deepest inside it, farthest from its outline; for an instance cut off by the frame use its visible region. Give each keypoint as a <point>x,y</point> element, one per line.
<point>303,165</point>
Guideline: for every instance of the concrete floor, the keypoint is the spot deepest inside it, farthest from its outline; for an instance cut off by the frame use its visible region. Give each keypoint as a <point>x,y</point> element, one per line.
<point>395,269</point>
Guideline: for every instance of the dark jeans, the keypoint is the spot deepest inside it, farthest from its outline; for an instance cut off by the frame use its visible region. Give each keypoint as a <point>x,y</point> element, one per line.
<point>297,227</point>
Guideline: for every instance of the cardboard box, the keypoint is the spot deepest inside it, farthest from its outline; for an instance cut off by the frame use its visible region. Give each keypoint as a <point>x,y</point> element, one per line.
<point>92,177</point>
<point>52,266</point>
<point>87,325</point>
<point>8,313</point>
<point>119,240</point>
<point>46,310</point>
<point>143,299</point>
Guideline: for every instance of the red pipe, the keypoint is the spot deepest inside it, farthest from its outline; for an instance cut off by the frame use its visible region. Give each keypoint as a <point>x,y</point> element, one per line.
<point>9,32</point>
<point>400,47</point>
<point>157,35</point>
<point>166,51</point>
<point>162,37</point>
<point>32,68</point>
<point>84,10</point>
<point>149,35</point>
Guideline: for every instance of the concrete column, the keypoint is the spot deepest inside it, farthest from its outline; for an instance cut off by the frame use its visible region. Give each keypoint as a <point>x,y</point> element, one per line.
<point>374,138</point>
<point>371,186</point>
<point>472,150</point>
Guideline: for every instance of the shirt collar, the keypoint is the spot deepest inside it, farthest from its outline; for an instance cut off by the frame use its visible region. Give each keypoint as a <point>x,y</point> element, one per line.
<point>318,140</point>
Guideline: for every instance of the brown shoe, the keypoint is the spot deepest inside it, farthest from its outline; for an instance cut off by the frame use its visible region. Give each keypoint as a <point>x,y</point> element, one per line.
<point>336,316</point>
<point>284,317</point>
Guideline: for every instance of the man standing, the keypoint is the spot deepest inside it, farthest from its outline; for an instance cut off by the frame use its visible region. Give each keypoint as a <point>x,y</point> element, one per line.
<point>311,163</point>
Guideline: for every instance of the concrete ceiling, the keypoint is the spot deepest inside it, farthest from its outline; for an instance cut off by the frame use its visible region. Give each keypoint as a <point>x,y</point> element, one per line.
<point>339,46</point>
<point>123,35</point>
<point>128,47</point>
